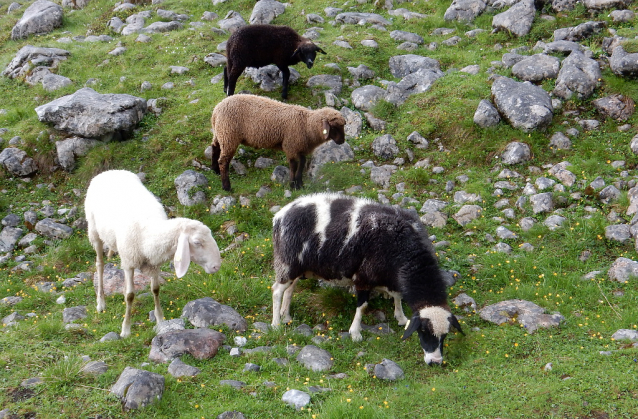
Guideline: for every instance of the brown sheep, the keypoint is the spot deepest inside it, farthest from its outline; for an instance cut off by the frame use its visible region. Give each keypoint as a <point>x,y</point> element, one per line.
<point>261,122</point>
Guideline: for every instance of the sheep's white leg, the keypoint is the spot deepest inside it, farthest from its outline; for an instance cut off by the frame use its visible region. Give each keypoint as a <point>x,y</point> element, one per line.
<point>155,287</point>
<point>285,305</point>
<point>99,267</point>
<point>129,296</point>
<point>398,308</point>
<point>355,328</point>
<point>278,290</point>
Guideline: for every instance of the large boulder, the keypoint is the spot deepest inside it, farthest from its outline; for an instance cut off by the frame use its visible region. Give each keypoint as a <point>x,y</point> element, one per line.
<point>517,19</point>
<point>138,388</point>
<point>623,63</point>
<point>265,11</point>
<point>43,16</point>
<point>89,114</point>
<point>578,76</point>
<point>206,312</point>
<point>30,57</point>
<point>16,162</point>
<point>525,106</point>
<point>199,343</point>
<point>70,148</point>
<point>464,10</point>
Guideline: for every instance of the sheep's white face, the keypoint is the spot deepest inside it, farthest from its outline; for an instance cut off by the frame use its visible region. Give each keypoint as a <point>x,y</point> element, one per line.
<point>205,253</point>
<point>432,325</point>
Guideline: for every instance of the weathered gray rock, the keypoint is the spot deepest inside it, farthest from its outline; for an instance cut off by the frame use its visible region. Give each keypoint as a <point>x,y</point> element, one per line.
<point>280,174</point>
<point>606,4</point>
<point>296,398</point>
<point>265,12</point>
<point>215,60</point>
<point>238,385</point>
<point>579,75</point>
<point>618,232</point>
<point>388,370</point>
<point>206,312</point>
<point>515,153</point>
<point>517,20</point>
<point>354,18</point>
<point>16,162</point>
<point>625,334</point>
<point>95,368</point>
<point>464,10</point>
<point>329,152</point>
<point>270,78</point>
<point>71,314</point>
<point>403,65</point>
<point>9,236</point>
<point>138,388</point>
<point>40,17</point>
<point>222,204</point>
<point>354,122</point>
<point>178,368</point>
<point>406,14</point>
<point>618,107</point>
<point>536,68</point>
<point>385,147</point>
<point>486,114</point>
<point>542,202</point>
<point>467,213</point>
<point>580,32</point>
<point>232,21</point>
<point>623,63</point>
<point>622,270</point>
<point>398,35</point>
<point>113,279</point>
<point>53,230</point>
<point>315,359</point>
<point>560,141</point>
<point>366,97</point>
<point>70,148</point>
<point>89,114</point>
<point>189,187</point>
<point>554,222</point>
<point>233,414</point>
<point>361,72</point>
<point>622,16</point>
<point>199,343</point>
<point>161,27</point>
<point>525,106</point>
<point>526,313</point>
<point>325,83</point>
<point>609,194</point>
<point>134,23</point>
<point>30,57</point>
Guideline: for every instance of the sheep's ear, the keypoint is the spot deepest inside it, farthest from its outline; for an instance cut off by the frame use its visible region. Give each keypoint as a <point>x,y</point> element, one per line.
<point>321,51</point>
<point>295,53</point>
<point>182,258</point>
<point>455,323</point>
<point>413,325</point>
<point>326,129</point>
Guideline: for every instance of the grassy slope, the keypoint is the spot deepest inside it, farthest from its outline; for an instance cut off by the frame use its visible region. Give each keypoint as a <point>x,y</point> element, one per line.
<point>491,372</point>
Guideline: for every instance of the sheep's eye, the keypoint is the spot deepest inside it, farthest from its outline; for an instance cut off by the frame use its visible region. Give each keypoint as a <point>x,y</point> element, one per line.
<point>197,243</point>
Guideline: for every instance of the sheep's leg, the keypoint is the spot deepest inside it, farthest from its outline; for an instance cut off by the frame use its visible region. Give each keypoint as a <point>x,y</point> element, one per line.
<point>226,79</point>
<point>129,296</point>
<point>224,163</point>
<point>362,302</point>
<point>99,266</point>
<point>296,171</point>
<point>215,159</point>
<point>233,75</point>
<point>155,288</point>
<point>285,77</point>
<point>398,308</point>
<point>285,305</point>
<point>278,290</point>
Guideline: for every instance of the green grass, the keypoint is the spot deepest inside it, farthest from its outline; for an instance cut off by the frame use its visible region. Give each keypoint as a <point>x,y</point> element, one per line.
<point>492,371</point>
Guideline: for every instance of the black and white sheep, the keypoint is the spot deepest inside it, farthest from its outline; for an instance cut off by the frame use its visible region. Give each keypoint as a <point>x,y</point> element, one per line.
<point>125,216</point>
<point>261,45</point>
<point>261,122</point>
<point>332,236</point>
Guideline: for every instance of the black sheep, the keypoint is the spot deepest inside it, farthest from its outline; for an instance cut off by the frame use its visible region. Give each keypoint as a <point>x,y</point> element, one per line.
<point>376,246</point>
<point>261,45</point>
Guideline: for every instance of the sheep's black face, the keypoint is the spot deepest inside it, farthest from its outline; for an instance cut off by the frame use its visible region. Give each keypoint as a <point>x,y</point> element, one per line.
<point>432,325</point>
<point>307,53</point>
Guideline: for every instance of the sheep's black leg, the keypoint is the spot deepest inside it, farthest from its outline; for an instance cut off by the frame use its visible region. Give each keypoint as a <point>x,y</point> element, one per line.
<point>233,75</point>
<point>215,159</point>
<point>226,79</point>
<point>224,163</point>
<point>294,164</point>
<point>285,75</point>
<point>362,302</point>
<point>299,174</point>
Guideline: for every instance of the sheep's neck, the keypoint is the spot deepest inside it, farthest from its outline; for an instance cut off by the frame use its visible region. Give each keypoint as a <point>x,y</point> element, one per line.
<point>160,240</point>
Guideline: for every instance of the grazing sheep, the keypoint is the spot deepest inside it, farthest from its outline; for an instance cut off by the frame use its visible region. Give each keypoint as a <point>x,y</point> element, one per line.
<point>376,246</point>
<point>123,215</point>
<point>260,122</point>
<point>260,45</point>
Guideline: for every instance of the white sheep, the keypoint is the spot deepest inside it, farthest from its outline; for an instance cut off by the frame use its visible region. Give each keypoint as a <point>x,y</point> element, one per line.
<point>261,122</point>
<point>126,217</point>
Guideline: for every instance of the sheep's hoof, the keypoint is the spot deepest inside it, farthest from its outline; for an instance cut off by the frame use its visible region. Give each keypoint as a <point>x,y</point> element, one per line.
<point>356,336</point>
